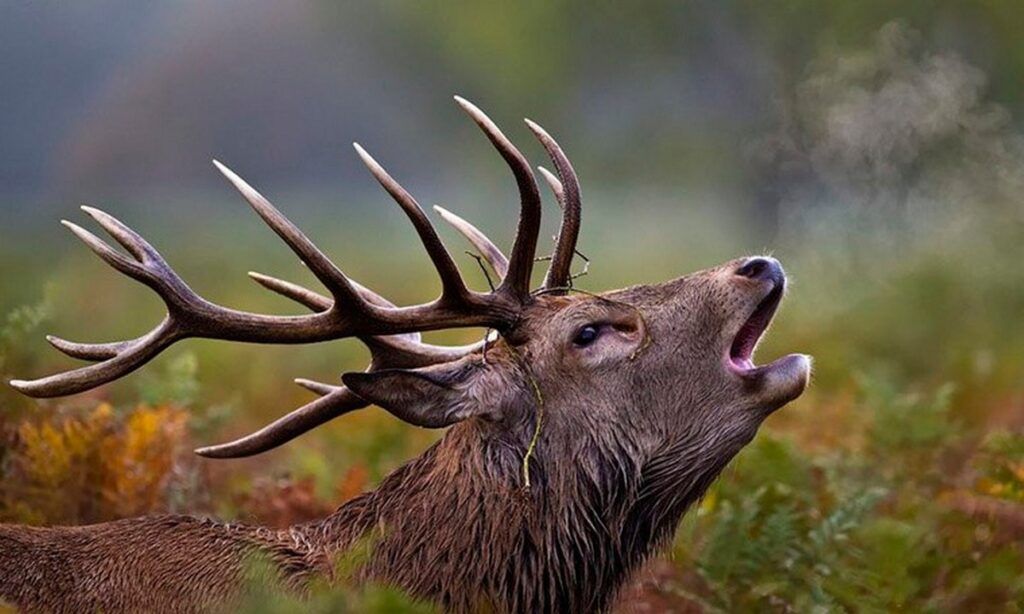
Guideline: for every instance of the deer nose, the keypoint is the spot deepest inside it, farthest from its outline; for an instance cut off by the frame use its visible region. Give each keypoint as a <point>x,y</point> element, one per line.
<point>762,268</point>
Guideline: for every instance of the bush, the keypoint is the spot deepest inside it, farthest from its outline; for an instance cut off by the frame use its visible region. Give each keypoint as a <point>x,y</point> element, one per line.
<point>96,465</point>
<point>890,525</point>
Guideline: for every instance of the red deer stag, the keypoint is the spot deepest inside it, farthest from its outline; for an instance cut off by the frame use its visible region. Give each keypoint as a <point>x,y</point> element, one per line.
<point>581,429</point>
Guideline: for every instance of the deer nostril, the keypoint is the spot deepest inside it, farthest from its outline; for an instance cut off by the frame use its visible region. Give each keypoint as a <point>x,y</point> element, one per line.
<point>760,268</point>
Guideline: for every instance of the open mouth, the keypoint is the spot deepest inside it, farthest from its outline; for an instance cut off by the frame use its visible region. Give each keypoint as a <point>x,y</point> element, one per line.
<point>741,353</point>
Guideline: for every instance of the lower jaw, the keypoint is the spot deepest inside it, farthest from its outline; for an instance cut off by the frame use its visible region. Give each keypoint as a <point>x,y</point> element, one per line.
<point>785,379</point>
<point>745,367</point>
<point>776,383</point>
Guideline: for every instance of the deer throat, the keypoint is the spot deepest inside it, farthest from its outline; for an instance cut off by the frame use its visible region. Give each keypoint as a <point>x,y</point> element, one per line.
<point>452,535</point>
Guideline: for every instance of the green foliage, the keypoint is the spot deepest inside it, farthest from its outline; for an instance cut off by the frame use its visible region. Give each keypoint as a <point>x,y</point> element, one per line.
<point>23,320</point>
<point>1000,463</point>
<point>907,421</point>
<point>18,324</point>
<point>324,599</point>
<point>883,527</point>
<point>779,544</point>
<point>267,595</point>
<point>177,383</point>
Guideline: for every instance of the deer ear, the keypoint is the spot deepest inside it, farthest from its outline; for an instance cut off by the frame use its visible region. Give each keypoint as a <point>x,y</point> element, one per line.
<point>431,397</point>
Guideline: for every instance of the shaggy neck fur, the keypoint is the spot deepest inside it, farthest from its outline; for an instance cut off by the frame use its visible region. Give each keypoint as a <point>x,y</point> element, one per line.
<point>456,525</point>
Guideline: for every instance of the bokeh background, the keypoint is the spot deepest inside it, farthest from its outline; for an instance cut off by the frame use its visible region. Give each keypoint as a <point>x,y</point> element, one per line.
<point>875,149</point>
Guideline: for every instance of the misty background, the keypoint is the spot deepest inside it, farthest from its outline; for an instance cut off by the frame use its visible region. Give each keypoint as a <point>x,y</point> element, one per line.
<point>759,108</point>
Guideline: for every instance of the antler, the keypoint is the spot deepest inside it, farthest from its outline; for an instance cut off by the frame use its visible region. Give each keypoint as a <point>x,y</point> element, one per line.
<point>350,313</point>
<point>388,352</point>
<point>567,191</point>
<point>566,188</point>
<point>391,333</point>
<point>488,250</point>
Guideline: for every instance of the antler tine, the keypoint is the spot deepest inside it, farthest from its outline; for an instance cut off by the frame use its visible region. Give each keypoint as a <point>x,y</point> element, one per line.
<point>318,388</point>
<point>554,184</point>
<point>299,294</point>
<point>108,254</point>
<point>524,248</point>
<point>130,355</point>
<point>336,401</point>
<point>559,272</point>
<point>488,250</point>
<point>128,238</point>
<point>87,351</point>
<point>314,300</point>
<point>453,288</point>
<point>321,266</point>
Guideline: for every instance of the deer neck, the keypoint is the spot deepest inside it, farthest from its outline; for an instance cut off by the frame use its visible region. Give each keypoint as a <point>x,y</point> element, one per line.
<point>457,524</point>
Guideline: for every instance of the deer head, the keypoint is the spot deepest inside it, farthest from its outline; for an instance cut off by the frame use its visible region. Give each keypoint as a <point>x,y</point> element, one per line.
<point>654,382</point>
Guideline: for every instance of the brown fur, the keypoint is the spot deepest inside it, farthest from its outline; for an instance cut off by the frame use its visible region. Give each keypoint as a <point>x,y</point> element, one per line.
<point>633,430</point>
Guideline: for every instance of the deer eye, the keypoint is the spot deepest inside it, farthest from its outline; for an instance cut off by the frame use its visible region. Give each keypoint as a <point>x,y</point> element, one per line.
<point>586,335</point>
